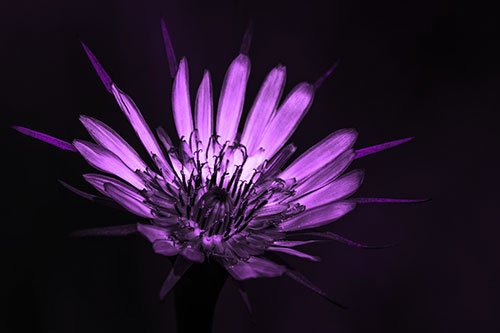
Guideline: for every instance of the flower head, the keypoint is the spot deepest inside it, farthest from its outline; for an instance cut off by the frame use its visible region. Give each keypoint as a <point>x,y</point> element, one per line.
<point>223,195</point>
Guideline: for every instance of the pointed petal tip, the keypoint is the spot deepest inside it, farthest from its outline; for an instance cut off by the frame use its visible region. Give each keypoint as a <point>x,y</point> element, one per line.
<point>106,80</point>
<point>377,148</point>
<point>247,38</point>
<point>323,77</point>
<point>169,49</point>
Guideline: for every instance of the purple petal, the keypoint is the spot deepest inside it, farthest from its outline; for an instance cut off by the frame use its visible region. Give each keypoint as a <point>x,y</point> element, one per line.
<point>91,197</point>
<point>172,60</point>
<point>297,276</point>
<point>181,104</point>
<point>121,230</point>
<point>336,190</point>
<point>332,236</point>
<point>294,252</point>
<point>232,97</point>
<point>288,243</point>
<point>141,128</point>
<point>287,118</point>
<point>203,111</point>
<point>46,138</point>
<point>317,217</point>
<point>165,247</point>
<point>327,174</point>
<point>375,149</point>
<point>388,200</point>
<point>193,254</point>
<point>240,285</point>
<point>152,233</point>
<point>109,139</point>
<point>181,266</point>
<point>262,110</point>
<point>316,157</point>
<point>247,39</point>
<point>104,160</point>
<point>128,201</point>
<point>255,267</point>
<point>323,77</point>
<point>106,80</point>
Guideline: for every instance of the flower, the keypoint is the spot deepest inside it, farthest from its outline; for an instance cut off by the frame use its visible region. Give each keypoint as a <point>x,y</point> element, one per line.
<point>220,194</point>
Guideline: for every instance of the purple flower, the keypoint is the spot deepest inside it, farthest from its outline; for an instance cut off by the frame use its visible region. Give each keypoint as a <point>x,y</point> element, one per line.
<point>221,194</point>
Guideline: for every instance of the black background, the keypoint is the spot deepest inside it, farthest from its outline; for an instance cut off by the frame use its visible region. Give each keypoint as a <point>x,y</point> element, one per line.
<point>427,69</point>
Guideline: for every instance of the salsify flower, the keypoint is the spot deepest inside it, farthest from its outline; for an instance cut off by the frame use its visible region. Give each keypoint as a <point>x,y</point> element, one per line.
<point>222,195</point>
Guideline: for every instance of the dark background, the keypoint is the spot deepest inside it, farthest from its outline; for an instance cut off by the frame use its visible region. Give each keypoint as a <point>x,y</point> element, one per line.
<point>427,69</point>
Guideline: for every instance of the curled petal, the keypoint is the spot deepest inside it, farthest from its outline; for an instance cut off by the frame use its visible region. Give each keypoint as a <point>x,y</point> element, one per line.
<point>317,217</point>
<point>104,160</point>
<point>232,98</point>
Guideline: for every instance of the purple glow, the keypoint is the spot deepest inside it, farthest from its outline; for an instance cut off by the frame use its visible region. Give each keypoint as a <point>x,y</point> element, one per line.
<point>217,196</point>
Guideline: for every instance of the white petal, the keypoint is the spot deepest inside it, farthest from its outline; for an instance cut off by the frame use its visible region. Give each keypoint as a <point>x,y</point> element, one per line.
<point>320,154</point>
<point>336,190</point>
<point>203,111</point>
<point>104,160</point>
<point>263,108</point>
<point>232,98</point>
<point>317,217</point>
<point>109,139</point>
<point>287,118</point>
<point>181,103</point>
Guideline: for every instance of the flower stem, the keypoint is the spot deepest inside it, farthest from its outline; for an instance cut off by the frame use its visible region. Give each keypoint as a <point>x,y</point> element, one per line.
<point>195,297</point>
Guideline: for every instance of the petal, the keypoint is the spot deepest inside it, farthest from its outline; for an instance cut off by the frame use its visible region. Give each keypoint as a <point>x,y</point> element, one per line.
<point>46,138</point>
<point>104,160</point>
<point>375,149</point>
<point>203,110</point>
<point>128,201</point>
<point>287,118</point>
<point>181,105</point>
<point>388,200</point>
<point>320,154</point>
<point>336,190</point>
<point>193,254</point>
<point>109,139</point>
<point>300,278</point>
<point>317,217</point>
<point>114,231</point>
<point>141,128</point>
<point>327,174</point>
<point>91,197</point>
<point>232,98</point>
<point>181,266</point>
<point>152,233</point>
<point>255,267</point>
<point>263,108</point>
<point>294,252</point>
<point>165,247</point>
